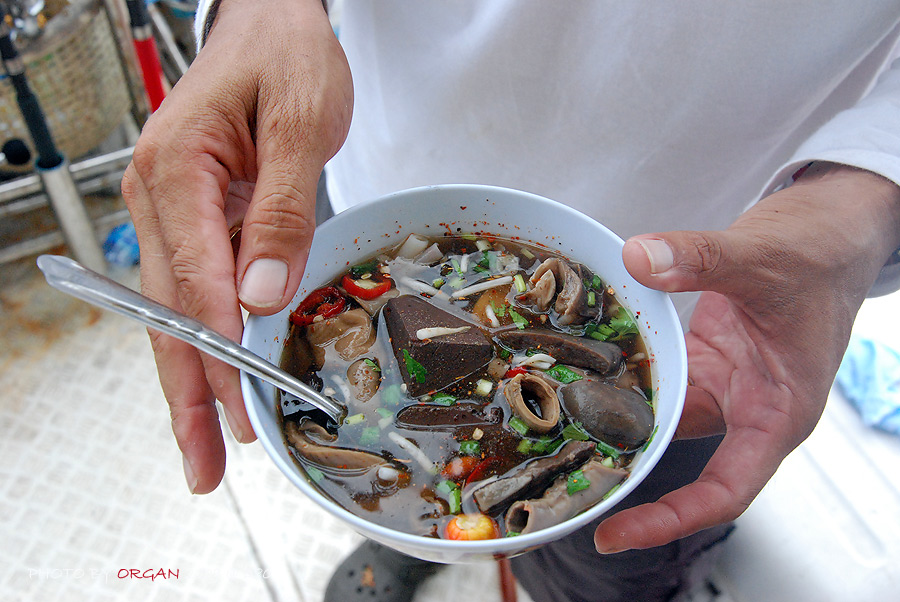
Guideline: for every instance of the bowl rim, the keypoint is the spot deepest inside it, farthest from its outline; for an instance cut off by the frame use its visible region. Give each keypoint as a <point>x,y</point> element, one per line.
<point>508,545</point>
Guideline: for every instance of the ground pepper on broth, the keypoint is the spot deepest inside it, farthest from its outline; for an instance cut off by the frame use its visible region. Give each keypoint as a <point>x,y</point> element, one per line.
<point>481,374</point>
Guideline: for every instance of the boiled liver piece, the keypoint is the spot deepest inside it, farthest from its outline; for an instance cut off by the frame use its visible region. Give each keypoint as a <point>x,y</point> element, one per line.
<point>444,358</point>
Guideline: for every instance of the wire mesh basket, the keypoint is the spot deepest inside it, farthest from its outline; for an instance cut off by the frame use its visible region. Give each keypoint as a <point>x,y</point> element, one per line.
<point>75,70</point>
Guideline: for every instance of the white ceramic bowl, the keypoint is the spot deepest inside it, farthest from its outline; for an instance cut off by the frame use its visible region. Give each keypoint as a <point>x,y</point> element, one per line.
<point>361,231</point>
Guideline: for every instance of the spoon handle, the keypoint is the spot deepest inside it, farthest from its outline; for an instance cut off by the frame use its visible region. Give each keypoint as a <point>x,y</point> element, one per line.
<point>68,276</point>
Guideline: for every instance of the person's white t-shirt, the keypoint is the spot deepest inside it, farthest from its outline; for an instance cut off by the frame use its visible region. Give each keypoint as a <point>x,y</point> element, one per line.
<point>648,116</point>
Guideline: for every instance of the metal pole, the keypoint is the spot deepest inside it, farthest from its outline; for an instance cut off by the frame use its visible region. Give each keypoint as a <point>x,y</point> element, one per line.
<point>52,167</point>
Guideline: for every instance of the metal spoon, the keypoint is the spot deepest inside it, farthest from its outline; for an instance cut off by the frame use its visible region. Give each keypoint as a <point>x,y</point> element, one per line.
<point>68,276</point>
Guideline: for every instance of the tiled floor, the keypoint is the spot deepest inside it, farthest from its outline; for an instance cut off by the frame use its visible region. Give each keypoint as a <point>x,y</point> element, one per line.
<point>91,484</point>
<point>91,488</point>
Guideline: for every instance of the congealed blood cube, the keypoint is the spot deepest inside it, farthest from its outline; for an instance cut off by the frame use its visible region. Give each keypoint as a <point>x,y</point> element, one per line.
<point>433,363</point>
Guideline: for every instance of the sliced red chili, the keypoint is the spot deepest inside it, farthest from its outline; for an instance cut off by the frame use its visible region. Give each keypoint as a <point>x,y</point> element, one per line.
<point>368,288</point>
<point>478,472</point>
<point>515,372</point>
<point>325,302</point>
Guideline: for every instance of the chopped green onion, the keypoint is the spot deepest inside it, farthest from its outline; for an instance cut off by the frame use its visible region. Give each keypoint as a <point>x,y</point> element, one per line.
<point>517,319</point>
<point>516,424</point>
<point>415,369</point>
<point>469,237</point>
<point>650,440</point>
<point>443,399</point>
<point>608,462</point>
<point>597,283</point>
<point>485,260</point>
<point>372,364</point>
<point>524,446</point>
<point>315,474</point>
<point>527,253</point>
<point>575,431</point>
<point>456,282</point>
<point>520,283</point>
<point>601,332</point>
<point>500,310</point>
<point>512,534</point>
<point>576,482</point>
<point>469,448</point>
<point>370,435</point>
<point>452,494</point>
<point>457,267</point>
<point>540,446</point>
<point>483,387</point>
<point>363,268</point>
<point>591,299</point>
<point>505,353</point>
<point>482,244</point>
<point>391,395</point>
<point>608,450</point>
<point>355,419</point>
<point>546,444</point>
<point>563,374</point>
<point>437,283</point>
<point>480,269</point>
<point>612,491</point>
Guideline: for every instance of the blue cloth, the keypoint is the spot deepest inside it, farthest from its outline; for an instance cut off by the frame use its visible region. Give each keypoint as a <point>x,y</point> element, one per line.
<point>869,377</point>
<point>121,246</point>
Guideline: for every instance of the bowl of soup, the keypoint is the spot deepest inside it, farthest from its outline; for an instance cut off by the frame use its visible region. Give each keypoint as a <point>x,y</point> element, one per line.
<point>506,380</point>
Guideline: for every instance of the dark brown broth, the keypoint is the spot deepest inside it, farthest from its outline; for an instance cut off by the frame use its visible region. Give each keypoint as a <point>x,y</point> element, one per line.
<point>419,505</point>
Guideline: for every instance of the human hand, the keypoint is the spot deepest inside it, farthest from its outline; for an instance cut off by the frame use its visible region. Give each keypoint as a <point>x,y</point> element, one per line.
<point>781,287</point>
<point>241,139</point>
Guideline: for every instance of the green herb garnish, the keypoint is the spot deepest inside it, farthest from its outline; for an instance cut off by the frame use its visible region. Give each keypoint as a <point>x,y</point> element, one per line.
<point>372,364</point>
<point>619,327</point>
<point>576,482</point>
<point>608,450</point>
<point>516,424</point>
<point>451,492</point>
<point>623,324</point>
<point>575,431</point>
<point>563,374</point>
<point>612,491</point>
<point>545,444</point>
<point>517,319</point>
<point>442,399</point>
<point>363,268</point>
<point>600,332</point>
<point>314,473</point>
<point>469,447</point>
<point>415,369</point>
<point>512,534</point>
<point>391,395</point>
<point>519,281</point>
<point>370,435</point>
<point>355,419</point>
<point>500,310</point>
<point>650,440</point>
